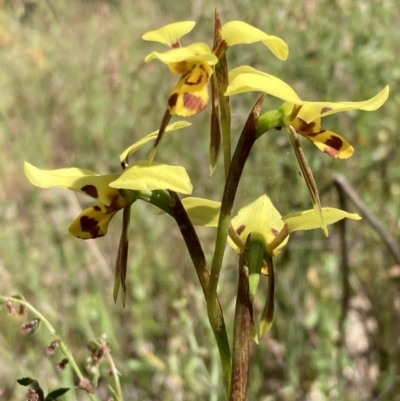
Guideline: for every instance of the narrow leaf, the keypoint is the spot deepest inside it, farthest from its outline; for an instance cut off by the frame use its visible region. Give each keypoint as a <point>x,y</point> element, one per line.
<point>56,393</point>
<point>308,177</point>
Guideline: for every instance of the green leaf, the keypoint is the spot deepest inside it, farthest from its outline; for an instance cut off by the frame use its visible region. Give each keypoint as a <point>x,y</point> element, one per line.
<point>25,381</point>
<point>56,393</point>
<point>144,177</point>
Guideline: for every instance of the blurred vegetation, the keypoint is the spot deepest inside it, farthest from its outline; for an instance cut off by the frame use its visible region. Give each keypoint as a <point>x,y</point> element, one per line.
<point>75,92</point>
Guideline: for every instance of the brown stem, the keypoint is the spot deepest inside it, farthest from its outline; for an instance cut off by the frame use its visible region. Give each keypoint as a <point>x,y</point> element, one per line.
<point>199,261</point>
<point>389,241</point>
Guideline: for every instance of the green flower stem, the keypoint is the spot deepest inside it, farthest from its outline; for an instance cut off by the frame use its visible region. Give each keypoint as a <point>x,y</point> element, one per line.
<point>268,121</point>
<point>157,198</point>
<point>54,333</point>
<point>241,334</point>
<point>221,71</point>
<point>245,143</point>
<point>114,371</point>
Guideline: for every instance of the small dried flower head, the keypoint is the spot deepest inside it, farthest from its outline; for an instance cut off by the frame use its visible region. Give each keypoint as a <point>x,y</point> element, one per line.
<point>62,364</point>
<point>52,347</point>
<point>31,326</point>
<point>22,310</point>
<point>11,309</point>
<point>32,395</point>
<point>84,384</point>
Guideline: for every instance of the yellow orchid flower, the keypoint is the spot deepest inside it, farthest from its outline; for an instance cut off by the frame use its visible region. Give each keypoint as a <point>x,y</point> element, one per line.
<point>93,222</point>
<point>263,219</point>
<point>195,62</point>
<point>304,116</point>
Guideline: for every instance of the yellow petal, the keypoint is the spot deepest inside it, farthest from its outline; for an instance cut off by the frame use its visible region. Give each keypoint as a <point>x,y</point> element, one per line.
<point>91,223</point>
<point>190,96</point>
<point>80,180</point>
<point>332,144</point>
<point>142,177</point>
<point>308,220</point>
<point>237,32</point>
<point>202,212</point>
<point>193,52</point>
<point>328,108</point>
<point>261,82</point>
<point>170,34</point>
<point>261,218</point>
<point>151,137</point>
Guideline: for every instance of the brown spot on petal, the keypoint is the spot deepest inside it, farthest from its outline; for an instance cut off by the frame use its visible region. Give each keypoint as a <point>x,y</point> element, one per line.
<point>302,126</point>
<point>240,229</point>
<point>325,110</point>
<point>97,208</point>
<point>334,144</point>
<point>200,77</point>
<point>172,100</point>
<point>313,134</point>
<point>90,225</point>
<point>91,190</point>
<point>274,231</point>
<point>193,102</point>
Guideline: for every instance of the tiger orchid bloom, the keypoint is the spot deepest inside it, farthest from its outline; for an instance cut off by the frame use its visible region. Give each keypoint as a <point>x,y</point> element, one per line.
<point>304,116</point>
<point>93,222</point>
<point>306,120</point>
<point>195,62</point>
<point>262,219</point>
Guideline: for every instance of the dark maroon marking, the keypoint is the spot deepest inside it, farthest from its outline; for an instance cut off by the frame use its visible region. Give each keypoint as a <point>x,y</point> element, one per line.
<point>305,127</point>
<point>198,80</point>
<point>97,208</point>
<point>325,110</point>
<point>193,102</point>
<point>174,45</point>
<point>334,142</point>
<point>91,190</point>
<point>90,225</point>
<point>172,100</point>
<point>314,134</point>
<point>240,229</point>
<point>275,231</point>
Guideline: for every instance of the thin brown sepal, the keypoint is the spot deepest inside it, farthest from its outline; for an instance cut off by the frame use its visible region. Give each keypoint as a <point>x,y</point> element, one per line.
<point>122,257</point>
<point>307,175</point>
<point>241,332</point>
<point>215,131</point>
<point>217,29</point>
<point>191,240</point>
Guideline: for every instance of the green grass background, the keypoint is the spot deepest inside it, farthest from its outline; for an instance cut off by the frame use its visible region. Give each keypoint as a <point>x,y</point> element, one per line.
<point>74,91</point>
